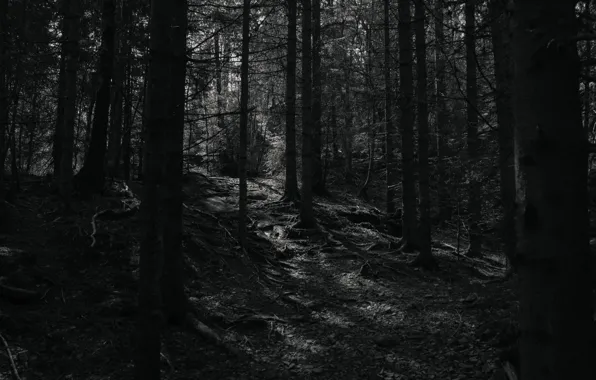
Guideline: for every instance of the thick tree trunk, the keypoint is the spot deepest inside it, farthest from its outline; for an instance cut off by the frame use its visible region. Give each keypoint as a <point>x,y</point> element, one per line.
<point>291,185</point>
<point>444,201</point>
<point>425,257</point>
<point>59,128</point>
<point>3,88</point>
<point>91,177</point>
<point>114,149</point>
<point>242,204</point>
<point>307,217</point>
<point>553,257</point>
<point>317,167</point>
<point>71,48</point>
<point>406,78</point>
<point>474,205</point>
<point>390,160</point>
<point>158,117</point>
<point>503,78</point>
<point>174,298</point>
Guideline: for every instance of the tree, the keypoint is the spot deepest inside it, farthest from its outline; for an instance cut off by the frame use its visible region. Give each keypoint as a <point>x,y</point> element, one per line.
<point>291,183</point>
<point>441,114</point>
<point>158,118</point>
<point>406,105</point>
<point>174,297</point>
<point>3,88</point>
<point>91,177</point>
<point>503,79</point>
<point>317,165</point>
<point>551,180</point>
<point>307,217</point>
<point>71,49</point>
<point>425,257</point>
<point>243,124</point>
<point>390,161</point>
<point>474,205</point>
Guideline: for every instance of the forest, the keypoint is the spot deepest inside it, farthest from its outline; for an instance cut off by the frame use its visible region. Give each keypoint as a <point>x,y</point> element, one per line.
<point>297,189</point>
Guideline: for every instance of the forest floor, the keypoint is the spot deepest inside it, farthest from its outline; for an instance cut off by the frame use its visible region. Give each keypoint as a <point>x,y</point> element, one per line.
<point>334,303</point>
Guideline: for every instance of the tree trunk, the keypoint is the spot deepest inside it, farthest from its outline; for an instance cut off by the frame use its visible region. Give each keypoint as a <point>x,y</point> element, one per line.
<point>474,205</point>
<point>3,88</point>
<point>317,167</point>
<point>174,298</point>
<point>91,177</point>
<point>307,217</point>
<point>158,118</point>
<point>291,193</point>
<point>557,332</point>
<point>114,149</point>
<point>406,78</point>
<point>71,49</point>
<point>243,124</point>
<point>425,257</point>
<point>444,201</point>
<point>390,160</point>
<point>503,79</point>
<point>59,128</point>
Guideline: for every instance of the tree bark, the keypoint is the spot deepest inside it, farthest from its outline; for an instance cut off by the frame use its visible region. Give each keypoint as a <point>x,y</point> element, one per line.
<point>503,78</point>
<point>59,128</point>
<point>474,204</point>
<point>317,167</point>
<point>425,257</point>
<point>91,177</point>
<point>406,103</point>
<point>174,298</point>
<point>557,332</point>
<point>158,117</point>
<point>307,217</point>
<point>291,193</point>
<point>114,149</point>
<point>390,160</point>
<point>71,48</point>
<point>243,124</point>
<point>444,201</point>
<point>3,88</point>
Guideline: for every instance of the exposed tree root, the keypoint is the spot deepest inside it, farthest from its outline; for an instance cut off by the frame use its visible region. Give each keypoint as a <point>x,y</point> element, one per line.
<point>13,367</point>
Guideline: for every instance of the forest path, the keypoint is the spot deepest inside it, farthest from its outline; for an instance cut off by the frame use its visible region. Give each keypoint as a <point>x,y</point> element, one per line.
<point>335,303</point>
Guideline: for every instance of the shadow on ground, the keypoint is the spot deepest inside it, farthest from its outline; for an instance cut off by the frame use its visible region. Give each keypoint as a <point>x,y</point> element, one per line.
<point>331,303</point>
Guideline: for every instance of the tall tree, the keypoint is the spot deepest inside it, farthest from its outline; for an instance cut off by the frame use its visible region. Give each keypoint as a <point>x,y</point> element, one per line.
<point>72,16</point>
<point>174,298</point>
<point>3,88</point>
<point>157,118</point>
<point>91,177</point>
<point>243,124</point>
<point>59,127</point>
<point>114,147</point>
<point>318,180</point>
<point>441,118</point>
<point>551,181</point>
<point>474,205</point>
<point>503,78</point>
<point>390,161</point>
<point>425,257</point>
<point>291,182</point>
<point>406,104</point>
<point>307,217</point>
